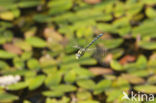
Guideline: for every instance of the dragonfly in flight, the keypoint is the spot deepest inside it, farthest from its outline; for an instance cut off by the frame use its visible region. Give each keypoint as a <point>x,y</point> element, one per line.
<point>82,51</point>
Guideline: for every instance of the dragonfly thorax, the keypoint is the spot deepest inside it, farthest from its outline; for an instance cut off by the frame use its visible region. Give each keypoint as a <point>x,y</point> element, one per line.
<point>80,53</point>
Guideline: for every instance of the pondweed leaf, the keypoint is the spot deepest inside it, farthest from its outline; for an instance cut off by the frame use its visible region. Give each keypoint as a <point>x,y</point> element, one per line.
<point>36,42</point>
<point>53,93</point>
<point>17,86</point>
<point>33,64</point>
<point>146,89</point>
<point>86,84</point>
<point>6,55</point>
<point>7,98</point>
<point>70,76</point>
<point>150,12</point>
<point>89,101</point>
<point>112,43</point>
<point>59,6</point>
<point>116,66</point>
<point>53,79</point>
<point>101,86</point>
<point>147,45</point>
<point>64,88</point>
<point>35,82</point>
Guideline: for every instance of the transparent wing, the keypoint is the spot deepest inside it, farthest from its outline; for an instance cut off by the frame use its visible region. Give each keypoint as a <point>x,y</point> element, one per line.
<point>91,49</point>
<point>100,52</point>
<point>76,46</point>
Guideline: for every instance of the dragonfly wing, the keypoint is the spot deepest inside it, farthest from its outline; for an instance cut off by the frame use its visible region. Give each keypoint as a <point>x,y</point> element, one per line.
<point>76,46</point>
<point>100,52</point>
<point>91,49</point>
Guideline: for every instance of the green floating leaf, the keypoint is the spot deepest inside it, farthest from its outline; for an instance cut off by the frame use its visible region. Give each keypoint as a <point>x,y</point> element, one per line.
<point>113,94</point>
<point>6,55</point>
<point>102,86</point>
<point>116,66</point>
<point>7,15</point>
<point>133,8</point>
<point>64,99</point>
<point>133,79</point>
<point>147,45</point>
<point>150,12</point>
<point>146,29</point>
<point>53,79</point>
<point>87,84</point>
<point>18,63</point>
<point>6,36</point>
<point>151,89</point>
<point>83,73</point>
<point>149,2</point>
<point>112,43</point>
<point>42,18</point>
<point>152,79</point>
<point>119,9</point>
<point>89,101</point>
<point>59,90</point>
<point>83,95</point>
<point>33,64</point>
<point>53,93</point>
<point>28,4</point>
<point>70,77</point>
<point>17,86</point>
<point>26,101</point>
<point>142,62</point>
<point>7,98</point>
<point>59,6</point>
<point>3,65</point>
<point>64,88</point>
<point>122,26</point>
<point>26,55</point>
<point>121,83</point>
<point>141,73</point>
<point>35,82</point>
<point>36,42</point>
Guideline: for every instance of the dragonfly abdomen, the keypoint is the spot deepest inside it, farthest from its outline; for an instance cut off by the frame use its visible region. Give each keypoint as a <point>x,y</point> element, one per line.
<point>94,40</point>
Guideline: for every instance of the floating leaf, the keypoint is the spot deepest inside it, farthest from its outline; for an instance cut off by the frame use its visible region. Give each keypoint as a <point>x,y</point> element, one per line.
<point>133,79</point>
<point>53,79</point>
<point>33,64</point>
<point>87,84</point>
<point>36,42</point>
<point>12,48</point>
<point>17,86</point>
<point>89,101</point>
<point>59,6</point>
<point>70,77</point>
<point>112,43</point>
<point>147,45</point>
<point>6,36</point>
<point>64,88</point>
<point>26,4</point>
<point>102,86</point>
<point>53,93</point>
<point>116,66</point>
<point>7,15</point>
<point>151,13</point>
<point>6,97</point>
<point>152,79</point>
<point>6,55</point>
<point>35,82</point>
<point>100,71</point>
<point>150,89</point>
<point>83,73</point>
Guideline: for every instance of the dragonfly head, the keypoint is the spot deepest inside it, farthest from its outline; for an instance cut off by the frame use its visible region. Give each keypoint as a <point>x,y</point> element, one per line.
<point>80,53</point>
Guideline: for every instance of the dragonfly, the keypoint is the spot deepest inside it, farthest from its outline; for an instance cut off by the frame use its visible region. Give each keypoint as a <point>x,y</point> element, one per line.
<point>82,51</point>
